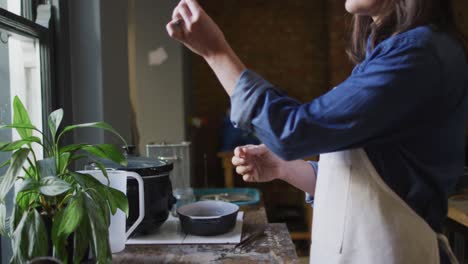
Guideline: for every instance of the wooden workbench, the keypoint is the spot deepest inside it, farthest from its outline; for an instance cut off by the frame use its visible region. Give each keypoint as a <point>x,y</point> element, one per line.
<point>456,226</point>
<point>274,247</point>
<point>458,209</point>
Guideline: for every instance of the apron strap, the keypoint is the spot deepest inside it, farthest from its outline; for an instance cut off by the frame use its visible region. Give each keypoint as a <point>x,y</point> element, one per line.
<point>446,248</point>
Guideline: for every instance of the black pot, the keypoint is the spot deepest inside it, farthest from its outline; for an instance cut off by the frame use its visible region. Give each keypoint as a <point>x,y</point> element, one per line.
<point>158,191</point>
<point>208,218</point>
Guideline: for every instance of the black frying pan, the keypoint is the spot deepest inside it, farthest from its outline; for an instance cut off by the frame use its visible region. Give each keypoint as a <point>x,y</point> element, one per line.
<point>208,218</point>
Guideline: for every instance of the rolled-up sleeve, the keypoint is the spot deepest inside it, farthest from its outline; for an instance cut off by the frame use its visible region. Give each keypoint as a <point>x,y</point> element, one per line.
<point>372,105</point>
<point>247,97</point>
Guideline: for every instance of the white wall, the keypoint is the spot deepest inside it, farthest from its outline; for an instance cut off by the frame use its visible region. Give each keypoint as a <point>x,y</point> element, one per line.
<point>157,91</point>
<point>112,80</point>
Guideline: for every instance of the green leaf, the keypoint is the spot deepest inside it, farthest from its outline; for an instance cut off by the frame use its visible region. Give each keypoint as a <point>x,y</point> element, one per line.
<point>27,199</point>
<point>72,148</point>
<point>102,169</point>
<point>107,151</point>
<point>63,161</point>
<point>19,241</point>
<point>6,163</point>
<point>21,116</point>
<point>117,199</point>
<point>3,230</point>
<point>37,235</point>
<point>72,216</point>
<point>100,198</point>
<point>101,125</point>
<point>29,239</point>
<point>99,230</point>
<point>53,186</point>
<point>81,241</point>
<point>77,157</point>
<point>87,181</point>
<point>57,240</point>
<point>15,218</point>
<point>28,185</point>
<point>12,146</point>
<point>17,160</point>
<point>20,126</point>
<point>55,118</point>
<point>47,167</point>
<point>96,190</point>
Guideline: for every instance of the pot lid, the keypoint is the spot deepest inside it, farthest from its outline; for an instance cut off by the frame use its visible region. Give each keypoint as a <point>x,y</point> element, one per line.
<point>139,164</point>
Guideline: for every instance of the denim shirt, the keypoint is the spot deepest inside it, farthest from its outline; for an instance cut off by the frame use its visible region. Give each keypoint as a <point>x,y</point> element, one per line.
<point>405,105</point>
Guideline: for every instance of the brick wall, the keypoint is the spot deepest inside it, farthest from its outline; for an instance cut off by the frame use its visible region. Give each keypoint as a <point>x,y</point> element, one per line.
<point>284,41</point>
<point>298,45</point>
<point>461,13</point>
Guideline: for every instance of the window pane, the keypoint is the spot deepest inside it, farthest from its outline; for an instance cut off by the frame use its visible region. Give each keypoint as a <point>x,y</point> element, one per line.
<point>23,8</point>
<point>20,75</point>
<point>13,6</point>
<point>5,113</point>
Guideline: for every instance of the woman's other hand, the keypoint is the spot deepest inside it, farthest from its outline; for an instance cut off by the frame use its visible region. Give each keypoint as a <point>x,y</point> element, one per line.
<point>256,163</point>
<point>196,30</point>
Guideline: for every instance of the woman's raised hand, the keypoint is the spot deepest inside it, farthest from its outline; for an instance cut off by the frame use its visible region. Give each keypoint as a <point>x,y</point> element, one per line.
<point>196,30</point>
<point>256,163</point>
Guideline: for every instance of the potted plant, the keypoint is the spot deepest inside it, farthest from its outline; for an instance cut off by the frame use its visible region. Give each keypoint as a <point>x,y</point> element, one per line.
<point>57,212</point>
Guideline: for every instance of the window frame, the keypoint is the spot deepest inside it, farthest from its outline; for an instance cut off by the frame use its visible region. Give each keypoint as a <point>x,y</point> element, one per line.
<point>24,27</point>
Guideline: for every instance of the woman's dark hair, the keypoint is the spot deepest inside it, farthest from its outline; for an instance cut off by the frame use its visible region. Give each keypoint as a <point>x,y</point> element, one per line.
<point>401,16</point>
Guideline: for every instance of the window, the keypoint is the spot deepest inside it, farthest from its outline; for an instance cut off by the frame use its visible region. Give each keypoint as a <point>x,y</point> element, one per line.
<point>20,67</point>
<point>24,71</point>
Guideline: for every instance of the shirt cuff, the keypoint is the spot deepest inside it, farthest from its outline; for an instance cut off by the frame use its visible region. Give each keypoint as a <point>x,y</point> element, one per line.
<point>309,198</point>
<point>246,96</point>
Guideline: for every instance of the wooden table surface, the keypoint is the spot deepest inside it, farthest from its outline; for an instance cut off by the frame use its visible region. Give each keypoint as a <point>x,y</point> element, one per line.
<point>458,209</point>
<point>274,247</point>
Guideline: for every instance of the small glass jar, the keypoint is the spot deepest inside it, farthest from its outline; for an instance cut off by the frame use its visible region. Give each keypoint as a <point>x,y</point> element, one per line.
<point>183,196</point>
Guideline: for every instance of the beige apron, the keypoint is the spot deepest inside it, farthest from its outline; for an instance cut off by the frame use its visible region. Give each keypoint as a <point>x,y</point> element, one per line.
<point>358,219</point>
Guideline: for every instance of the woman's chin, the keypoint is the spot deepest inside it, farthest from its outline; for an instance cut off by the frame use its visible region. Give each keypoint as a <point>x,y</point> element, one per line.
<point>361,7</point>
<point>350,7</point>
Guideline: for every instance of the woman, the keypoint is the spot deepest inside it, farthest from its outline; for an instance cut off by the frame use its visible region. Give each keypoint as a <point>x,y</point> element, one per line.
<point>391,136</point>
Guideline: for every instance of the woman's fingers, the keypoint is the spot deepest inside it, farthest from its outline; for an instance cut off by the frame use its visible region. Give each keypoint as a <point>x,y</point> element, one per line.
<point>194,7</point>
<point>174,29</point>
<point>255,150</point>
<point>186,16</point>
<point>238,152</point>
<point>249,178</point>
<point>236,161</point>
<point>185,13</point>
<point>244,169</point>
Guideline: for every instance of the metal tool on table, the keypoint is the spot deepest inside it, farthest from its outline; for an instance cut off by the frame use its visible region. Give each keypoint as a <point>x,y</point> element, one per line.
<point>249,239</point>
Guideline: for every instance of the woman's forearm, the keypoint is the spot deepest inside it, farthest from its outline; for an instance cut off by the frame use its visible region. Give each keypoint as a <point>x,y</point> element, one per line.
<point>300,174</point>
<point>228,67</point>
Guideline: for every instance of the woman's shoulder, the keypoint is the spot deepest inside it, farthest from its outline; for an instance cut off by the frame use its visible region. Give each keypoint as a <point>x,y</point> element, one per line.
<point>426,39</point>
<point>419,37</point>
